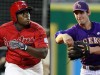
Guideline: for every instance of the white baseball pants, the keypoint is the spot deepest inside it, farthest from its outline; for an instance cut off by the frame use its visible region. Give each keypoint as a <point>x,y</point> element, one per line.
<point>89,72</point>
<point>13,69</point>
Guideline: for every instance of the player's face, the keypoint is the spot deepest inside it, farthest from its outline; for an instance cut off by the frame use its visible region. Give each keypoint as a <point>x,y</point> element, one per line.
<point>23,18</point>
<point>81,17</point>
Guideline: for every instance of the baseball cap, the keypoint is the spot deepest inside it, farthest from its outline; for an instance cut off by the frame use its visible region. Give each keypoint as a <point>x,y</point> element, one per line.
<point>80,5</point>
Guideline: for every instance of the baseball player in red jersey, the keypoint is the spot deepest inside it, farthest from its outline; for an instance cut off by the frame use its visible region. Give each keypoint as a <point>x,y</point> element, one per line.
<point>26,42</point>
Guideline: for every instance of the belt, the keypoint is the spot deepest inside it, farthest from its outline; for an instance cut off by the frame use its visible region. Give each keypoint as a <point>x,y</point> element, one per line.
<point>93,68</point>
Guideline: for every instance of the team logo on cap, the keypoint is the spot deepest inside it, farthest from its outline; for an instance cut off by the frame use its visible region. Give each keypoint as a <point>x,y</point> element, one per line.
<point>79,6</point>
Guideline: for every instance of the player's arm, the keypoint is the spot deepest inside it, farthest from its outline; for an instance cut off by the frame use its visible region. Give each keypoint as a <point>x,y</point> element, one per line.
<point>95,50</point>
<point>37,52</point>
<point>64,38</point>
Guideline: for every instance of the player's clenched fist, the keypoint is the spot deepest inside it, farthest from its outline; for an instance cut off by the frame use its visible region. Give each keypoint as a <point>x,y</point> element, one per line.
<point>16,44</point>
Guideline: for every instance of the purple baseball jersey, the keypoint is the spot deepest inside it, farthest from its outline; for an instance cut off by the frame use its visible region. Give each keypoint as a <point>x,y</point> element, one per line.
<point>91,36</point>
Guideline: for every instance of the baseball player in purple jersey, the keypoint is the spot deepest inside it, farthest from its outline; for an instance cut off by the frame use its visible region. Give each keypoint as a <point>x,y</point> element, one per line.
<point>85,31</point>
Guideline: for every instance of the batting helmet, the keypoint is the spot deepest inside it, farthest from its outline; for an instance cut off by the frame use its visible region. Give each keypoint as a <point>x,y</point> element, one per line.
<point>18,7</point>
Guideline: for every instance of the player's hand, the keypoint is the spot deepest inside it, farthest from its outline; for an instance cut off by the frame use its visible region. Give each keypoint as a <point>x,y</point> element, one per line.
<point>58,37</point>
<point>68,40</point>
<point>16,44</point>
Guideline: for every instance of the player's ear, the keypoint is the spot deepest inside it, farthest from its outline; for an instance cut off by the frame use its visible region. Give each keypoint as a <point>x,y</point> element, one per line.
<point>89,12</point>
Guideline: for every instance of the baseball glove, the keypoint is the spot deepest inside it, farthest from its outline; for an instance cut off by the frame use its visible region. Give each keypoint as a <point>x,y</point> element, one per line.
<point>79,50</point>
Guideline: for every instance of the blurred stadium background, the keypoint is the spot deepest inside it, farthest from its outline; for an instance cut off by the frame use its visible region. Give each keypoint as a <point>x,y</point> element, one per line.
<point>61,18</point>
<point>40,14</point>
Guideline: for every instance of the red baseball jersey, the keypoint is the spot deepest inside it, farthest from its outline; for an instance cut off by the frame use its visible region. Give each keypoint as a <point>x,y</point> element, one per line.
<point>34,36</point>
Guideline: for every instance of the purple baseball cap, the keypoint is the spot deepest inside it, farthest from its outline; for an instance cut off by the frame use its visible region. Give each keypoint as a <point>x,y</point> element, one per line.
<point>80,5</point>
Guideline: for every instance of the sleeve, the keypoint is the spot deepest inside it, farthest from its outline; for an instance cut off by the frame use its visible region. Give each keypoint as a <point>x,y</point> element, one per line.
<point>41,40</point>
<point>71,31</point>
